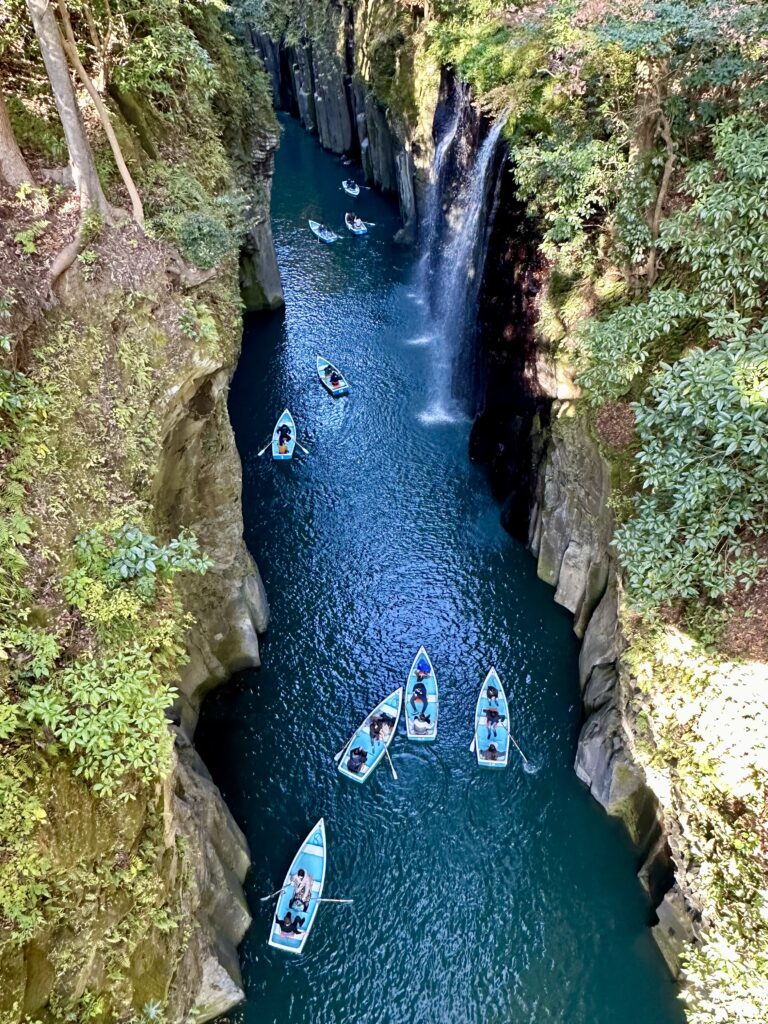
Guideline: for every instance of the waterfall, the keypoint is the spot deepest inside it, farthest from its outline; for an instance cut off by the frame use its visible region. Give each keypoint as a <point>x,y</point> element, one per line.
<point>430,232</point>
<point>454,243</point>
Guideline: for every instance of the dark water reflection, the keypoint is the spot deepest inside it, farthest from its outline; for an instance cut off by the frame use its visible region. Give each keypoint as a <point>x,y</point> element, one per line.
<point>480,898</point>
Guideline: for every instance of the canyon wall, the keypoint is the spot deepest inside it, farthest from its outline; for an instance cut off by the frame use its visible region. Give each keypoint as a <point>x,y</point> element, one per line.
<point>143,903</point>
<point>554,484</point>
<point>356,79</point>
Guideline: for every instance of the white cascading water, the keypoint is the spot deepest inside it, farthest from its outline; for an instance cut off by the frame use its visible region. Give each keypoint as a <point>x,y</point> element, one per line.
<point>430,233</point>
<point>455,270</point>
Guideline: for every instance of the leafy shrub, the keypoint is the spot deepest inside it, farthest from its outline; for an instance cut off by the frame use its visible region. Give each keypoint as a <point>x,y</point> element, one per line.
<point>204,240</point>
<point>109,713</point>
<point>88,259</point>
<point>108,710</point>
<point>615,350</point>
<point>28,237</point>
<point>721,237</point>
<point>704,460</point>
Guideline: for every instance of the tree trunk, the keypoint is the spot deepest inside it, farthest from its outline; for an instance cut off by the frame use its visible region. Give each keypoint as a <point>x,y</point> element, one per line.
<point>13,167</point>
<point>80,156</point>
<point>652,264</point>
<point>71,49</point>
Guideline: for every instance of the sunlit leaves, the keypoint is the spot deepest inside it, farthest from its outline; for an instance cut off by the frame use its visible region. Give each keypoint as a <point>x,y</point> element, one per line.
<point>704,460</point>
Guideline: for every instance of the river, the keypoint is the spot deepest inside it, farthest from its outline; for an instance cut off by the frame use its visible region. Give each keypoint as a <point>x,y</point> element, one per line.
<point>479,897</point>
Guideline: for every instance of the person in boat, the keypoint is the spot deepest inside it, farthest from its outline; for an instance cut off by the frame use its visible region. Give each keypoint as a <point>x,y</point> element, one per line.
<point>290,925</point>
<point>283,437</point>
<point>418,696</point>
<point>380,728</point>
<point>335,378</point>
<point>492,720</point>
<point>302,889</point>
<point>492,694</point>
<point>491,754</point>
<point>357,758</point>
<point>422,668</point>
<point>422,724</point>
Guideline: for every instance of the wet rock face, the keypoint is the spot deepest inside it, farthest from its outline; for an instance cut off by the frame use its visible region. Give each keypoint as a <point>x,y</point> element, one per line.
<point>260,285</point>
<point>570,534</point>
<point>510,389</point>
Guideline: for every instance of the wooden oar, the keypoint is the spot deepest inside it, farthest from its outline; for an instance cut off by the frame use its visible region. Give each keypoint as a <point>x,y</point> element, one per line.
<point>305,450</point>
<point>519,750</point>
<point>394,773</point>
<point>272,895</point>
<point>324,900</point>
<point>269,442</point>
<point>337,757</point>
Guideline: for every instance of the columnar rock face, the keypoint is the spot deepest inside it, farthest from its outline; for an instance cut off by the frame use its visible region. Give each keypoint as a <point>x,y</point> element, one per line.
<point>313,81</point>
<point>260,285</point>
<point>570,521</point>
<point>570,534</point>
<point>332,112</point>
<point>301,84</point>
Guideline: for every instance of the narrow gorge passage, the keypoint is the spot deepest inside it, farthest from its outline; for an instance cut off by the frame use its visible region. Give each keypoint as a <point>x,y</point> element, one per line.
<point>480,898</point>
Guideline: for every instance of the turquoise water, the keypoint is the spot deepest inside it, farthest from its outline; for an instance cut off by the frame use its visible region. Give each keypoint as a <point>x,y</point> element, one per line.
<point>479,897</point>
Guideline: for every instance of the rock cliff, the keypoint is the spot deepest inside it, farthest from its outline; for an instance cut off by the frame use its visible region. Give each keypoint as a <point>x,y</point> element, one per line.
<point>570,534</point>
<point>359,81</point>
<point>143,902</point>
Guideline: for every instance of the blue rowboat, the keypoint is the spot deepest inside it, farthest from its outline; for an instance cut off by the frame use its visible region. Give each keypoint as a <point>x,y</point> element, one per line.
<point>355,225</point>
<point>492,730</point>
<point>421,700</point>
<point>350,187</point>
<point>372,747</point>
<point>324,371</point>
<point>284,451</point>
<point>323,233</point>
<point>310,859</point>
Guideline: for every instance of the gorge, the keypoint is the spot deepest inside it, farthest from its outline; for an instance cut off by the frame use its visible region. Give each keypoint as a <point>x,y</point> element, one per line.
<point>546,300</point>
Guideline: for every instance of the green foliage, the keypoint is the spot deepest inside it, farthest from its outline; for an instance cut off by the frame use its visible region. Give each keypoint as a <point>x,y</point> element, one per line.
<point>704,456</point>
<point>130,556</point>
<point>567,187</point>
<point>23,864</point>
<point>725,974</point>
<point>204,240</point>
<point>37,128</point>
<point>618,348</point>
<point>91,226</point>
<point>720,237</point>
<point>88,259</point>
<point>29,237</point>
<point>109,713</point>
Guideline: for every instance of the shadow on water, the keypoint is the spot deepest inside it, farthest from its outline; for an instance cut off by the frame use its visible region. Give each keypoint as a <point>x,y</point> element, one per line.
<point>480,898</point>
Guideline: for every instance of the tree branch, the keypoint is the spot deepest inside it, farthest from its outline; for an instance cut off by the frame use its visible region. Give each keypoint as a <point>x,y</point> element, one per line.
<point>651,266</point>
<point>70,48</point>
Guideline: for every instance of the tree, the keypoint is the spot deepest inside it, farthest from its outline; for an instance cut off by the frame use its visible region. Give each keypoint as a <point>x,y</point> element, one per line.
<point>13,167</point>
<point>80,156</point>
<point>71,50</point>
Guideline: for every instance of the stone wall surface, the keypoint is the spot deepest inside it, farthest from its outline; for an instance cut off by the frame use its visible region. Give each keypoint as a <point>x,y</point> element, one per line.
<point>327,81</point>
<point>570,534</point>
